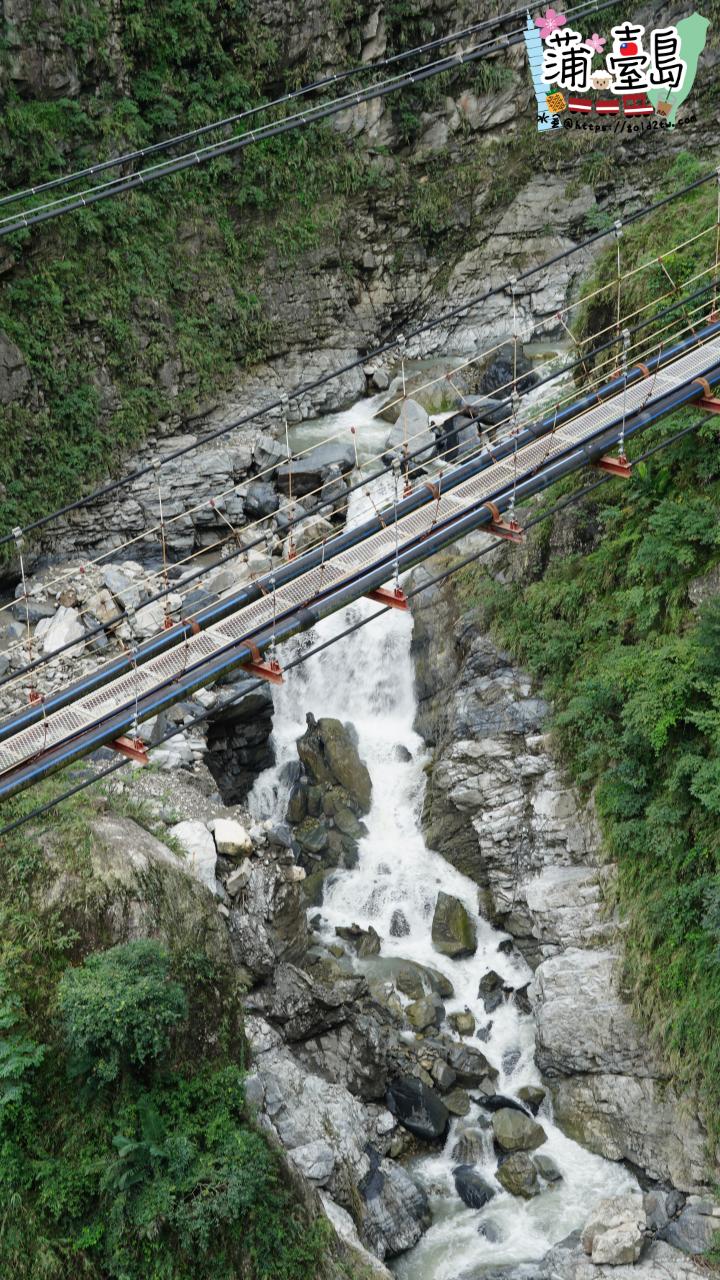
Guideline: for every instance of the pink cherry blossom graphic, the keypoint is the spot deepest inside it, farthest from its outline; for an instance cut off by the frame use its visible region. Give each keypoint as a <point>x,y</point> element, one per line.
<point>551,21</point>
<point>596,43</point>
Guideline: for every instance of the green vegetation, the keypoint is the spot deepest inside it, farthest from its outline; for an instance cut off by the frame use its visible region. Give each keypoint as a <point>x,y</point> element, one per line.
<point>161,282</point>
<point>126,1149</point>
<point>632,667</point>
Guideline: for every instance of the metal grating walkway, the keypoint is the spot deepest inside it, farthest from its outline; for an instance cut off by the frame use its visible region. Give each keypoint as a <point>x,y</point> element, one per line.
<point>123,692</point>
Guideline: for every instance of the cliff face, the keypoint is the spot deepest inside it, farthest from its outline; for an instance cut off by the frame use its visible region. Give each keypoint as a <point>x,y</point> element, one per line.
<point>156,317</point>
<point>499,808</point>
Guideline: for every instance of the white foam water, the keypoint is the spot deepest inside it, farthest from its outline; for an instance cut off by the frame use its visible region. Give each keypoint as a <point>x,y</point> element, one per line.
<point>367,679</point>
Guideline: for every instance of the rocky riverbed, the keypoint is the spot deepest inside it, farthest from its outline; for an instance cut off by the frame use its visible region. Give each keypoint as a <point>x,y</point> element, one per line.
<point>415,902</point>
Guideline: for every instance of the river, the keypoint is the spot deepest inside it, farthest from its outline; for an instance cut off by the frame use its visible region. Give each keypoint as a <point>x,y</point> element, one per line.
<point>368,679</point>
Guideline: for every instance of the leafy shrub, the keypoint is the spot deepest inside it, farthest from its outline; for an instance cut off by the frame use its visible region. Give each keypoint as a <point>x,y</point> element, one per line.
<point>119,1008</point>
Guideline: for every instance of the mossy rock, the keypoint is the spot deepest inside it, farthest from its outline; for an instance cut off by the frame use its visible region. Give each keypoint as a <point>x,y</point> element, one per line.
<point>453,932</point>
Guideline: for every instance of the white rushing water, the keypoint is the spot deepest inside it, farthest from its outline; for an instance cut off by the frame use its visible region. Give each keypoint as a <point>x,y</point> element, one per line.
<point>367,679</point>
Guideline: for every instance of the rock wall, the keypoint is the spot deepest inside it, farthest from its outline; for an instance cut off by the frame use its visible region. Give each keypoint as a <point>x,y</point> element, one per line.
<point>389,262</point>
<point>498,808</point>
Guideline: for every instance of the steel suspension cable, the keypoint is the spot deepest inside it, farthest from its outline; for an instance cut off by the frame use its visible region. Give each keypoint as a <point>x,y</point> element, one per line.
<point>122,614</point>
<point>572,500</point>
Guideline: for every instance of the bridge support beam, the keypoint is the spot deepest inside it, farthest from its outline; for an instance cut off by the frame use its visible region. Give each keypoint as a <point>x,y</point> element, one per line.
<point>393,597</point>
<point>132,748</point>
<point>710,404</point>
<point>615,466</point>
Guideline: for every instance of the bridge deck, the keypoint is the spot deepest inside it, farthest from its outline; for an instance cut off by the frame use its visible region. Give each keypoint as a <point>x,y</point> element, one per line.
<point>349,564</point>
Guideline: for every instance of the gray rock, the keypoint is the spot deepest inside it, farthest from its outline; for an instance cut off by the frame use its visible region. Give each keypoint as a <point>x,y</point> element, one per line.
<point>260,499</point>
<point>693,1231</point>
<point>471,1187</point>
<point>453,932</point>
<point>64,628</point>
<point>547,1168</point>
<point>470,1066</point>
<point>424,1013</point>
<point>396,1210</point>
<point>519,1176</point>
<point>364,942</point>
<point>614,1234</point>
<point>514,1131</point>
<point>418,1108</point>
<point>316,1160</point>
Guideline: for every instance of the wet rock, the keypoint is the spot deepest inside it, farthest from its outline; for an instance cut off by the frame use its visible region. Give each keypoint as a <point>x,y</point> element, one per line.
<point>471,1187</point>
<point>462,1023</point>
<point>239,878</point>
<point>424,1013</point>
<point>499,1103</point>
<point>260,499</point>
<point>547,1168</point>
<point>330,756</point>
<point>519,1176</point>
<point>533,1095</point>
<point>521,997</point>
<point>399,927</point>
<point>492,991</point>
<point>453,932</point>
<point>365,942</point>
<point>514,1131</point>
<point>396,1209</point>
<point>309,472</point>
<point>443,1075</point>
<point>510,1059</point>
<point>402,754</point>
<point>470,1145</point>
<point>418,1107</point>
<point>509,364</point>
<point>305,1006</point>
<point>470,1066</point>
<point>614,1233</point>
<point>457,1102</point>
<point>415,980</point>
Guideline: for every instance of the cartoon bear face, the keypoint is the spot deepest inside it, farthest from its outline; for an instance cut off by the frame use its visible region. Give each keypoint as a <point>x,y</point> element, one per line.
<point>600,80</point>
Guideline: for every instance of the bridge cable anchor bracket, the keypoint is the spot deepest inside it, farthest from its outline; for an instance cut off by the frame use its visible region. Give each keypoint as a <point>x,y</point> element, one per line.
<point>499,527</point>
<point>132,748</point>
<point>393,597</point>
<point>257,666</point>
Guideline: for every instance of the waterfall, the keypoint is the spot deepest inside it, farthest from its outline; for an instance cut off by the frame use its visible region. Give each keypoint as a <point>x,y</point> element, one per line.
<point>368,680</point>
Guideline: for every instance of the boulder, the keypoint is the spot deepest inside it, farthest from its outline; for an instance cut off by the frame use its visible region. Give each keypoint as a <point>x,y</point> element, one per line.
<point>310,533</point>
<point>547,1168</point>
<point>199,847</point>
<point>63,629</point>
<point>399,927</point>
<point>519,1176</point>
<point>416,980</point>
<point>365,942</point>
<point>492,991</point>
<point>329,754</point>
<point>693,1230</point>
<point>443,1075</point>
<point>533,1095</point>
<point>471,1187</point>
<point>470,1145</point>
<point>499,1103</point>
<point>457,1102</point>
<point>514,1131</point>
<point>231,838</point>
<point>471,1067</point>
<point>395,1209</point>
<point>260,499</point>
<point>417,1107</point>
<point>614,1234</point>
<point>463,1024</point>
<point>239,878</point>
<point>305,1006</point>
<point>122,587</point>
<point>308,473</point>
<point>424,1013</point>
<point>453,932</point>
<point>413,426</point>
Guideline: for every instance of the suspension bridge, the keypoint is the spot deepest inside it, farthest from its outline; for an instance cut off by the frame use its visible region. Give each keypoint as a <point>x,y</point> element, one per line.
<point>477,486</point>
